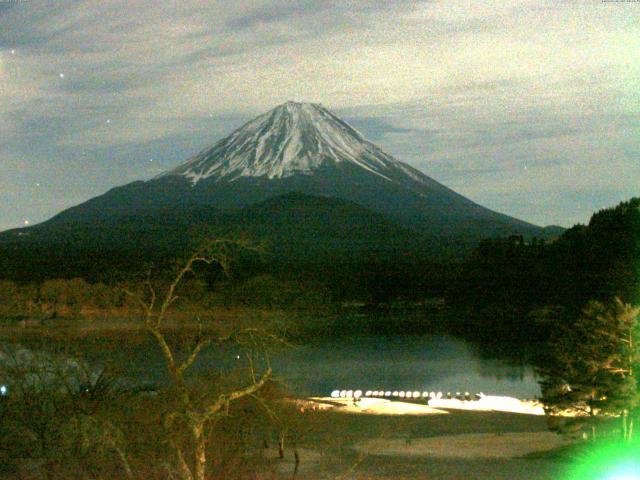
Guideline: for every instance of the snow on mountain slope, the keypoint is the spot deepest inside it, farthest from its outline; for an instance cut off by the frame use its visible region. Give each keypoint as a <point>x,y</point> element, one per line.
<point>293,138</point>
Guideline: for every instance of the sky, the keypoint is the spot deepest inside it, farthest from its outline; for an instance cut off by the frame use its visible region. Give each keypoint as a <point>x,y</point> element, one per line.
<point>531,108</point>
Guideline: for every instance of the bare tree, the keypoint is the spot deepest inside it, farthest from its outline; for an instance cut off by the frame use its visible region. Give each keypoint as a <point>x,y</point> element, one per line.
<point>192,411</point>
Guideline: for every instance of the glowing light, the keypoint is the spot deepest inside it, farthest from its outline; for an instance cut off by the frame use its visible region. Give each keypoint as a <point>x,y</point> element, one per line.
<point>62,75</point>
<point>335,394</point>
<point>3,390</point>
<point>607,462</point>
<point>26,222</point>
<point>624,472</point>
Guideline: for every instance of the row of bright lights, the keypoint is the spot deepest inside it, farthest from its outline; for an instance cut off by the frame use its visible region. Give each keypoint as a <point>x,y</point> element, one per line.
<point>388,393</point>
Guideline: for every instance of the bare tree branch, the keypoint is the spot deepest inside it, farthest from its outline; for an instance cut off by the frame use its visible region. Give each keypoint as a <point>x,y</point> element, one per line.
<point>196,416</point>
<point>225,399</point>
<point>194,354</point>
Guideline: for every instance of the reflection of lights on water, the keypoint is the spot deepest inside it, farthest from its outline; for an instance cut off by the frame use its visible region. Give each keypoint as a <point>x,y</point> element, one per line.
<point>3,390</point>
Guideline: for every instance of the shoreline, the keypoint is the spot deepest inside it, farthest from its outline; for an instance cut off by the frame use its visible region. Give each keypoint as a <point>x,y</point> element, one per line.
<point>383,406</point>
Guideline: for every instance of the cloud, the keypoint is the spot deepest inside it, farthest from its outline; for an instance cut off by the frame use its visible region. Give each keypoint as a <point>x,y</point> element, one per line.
<point>542,154</point>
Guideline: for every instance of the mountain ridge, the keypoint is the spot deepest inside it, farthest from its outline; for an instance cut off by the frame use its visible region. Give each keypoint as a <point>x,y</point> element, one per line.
<point>344,182</point>
<point>304,147</point>
<point>296,229</point>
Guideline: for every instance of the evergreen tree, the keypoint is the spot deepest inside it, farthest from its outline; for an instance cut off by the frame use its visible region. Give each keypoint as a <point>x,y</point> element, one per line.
<point>591,369</point>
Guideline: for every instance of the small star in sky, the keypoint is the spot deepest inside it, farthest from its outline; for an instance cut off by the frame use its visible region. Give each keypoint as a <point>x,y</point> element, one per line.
<point>151,159</point>
<point>26,222</point>
<point>13,52</point>
<point>37,184</point>
<point>62,75</point>
<point>108,120</point>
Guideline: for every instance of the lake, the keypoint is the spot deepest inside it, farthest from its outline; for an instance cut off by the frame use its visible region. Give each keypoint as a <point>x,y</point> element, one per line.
<point>366,362</point>
<point>424,363</point>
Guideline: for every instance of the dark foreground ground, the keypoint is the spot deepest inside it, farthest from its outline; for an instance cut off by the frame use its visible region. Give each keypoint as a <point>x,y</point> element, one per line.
<point>353,446</point>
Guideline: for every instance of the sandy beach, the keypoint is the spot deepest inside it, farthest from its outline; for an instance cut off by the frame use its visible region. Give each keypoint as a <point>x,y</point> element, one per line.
<point>376,438</point>
<point>385,406</point>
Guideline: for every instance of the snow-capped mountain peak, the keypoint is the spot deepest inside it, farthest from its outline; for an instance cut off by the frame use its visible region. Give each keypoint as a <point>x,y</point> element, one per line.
<point>293,138</point>
<point>300,149</point>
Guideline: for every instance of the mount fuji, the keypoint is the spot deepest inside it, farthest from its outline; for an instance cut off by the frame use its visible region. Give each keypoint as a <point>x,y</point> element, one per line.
<point>297,175</point>
<point>304,148</point>
<point>294,138</point>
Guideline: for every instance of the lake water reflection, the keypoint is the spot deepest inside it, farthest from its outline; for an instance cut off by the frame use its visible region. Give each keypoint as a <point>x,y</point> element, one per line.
<point>425,363</point>
<point>367,362</point>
